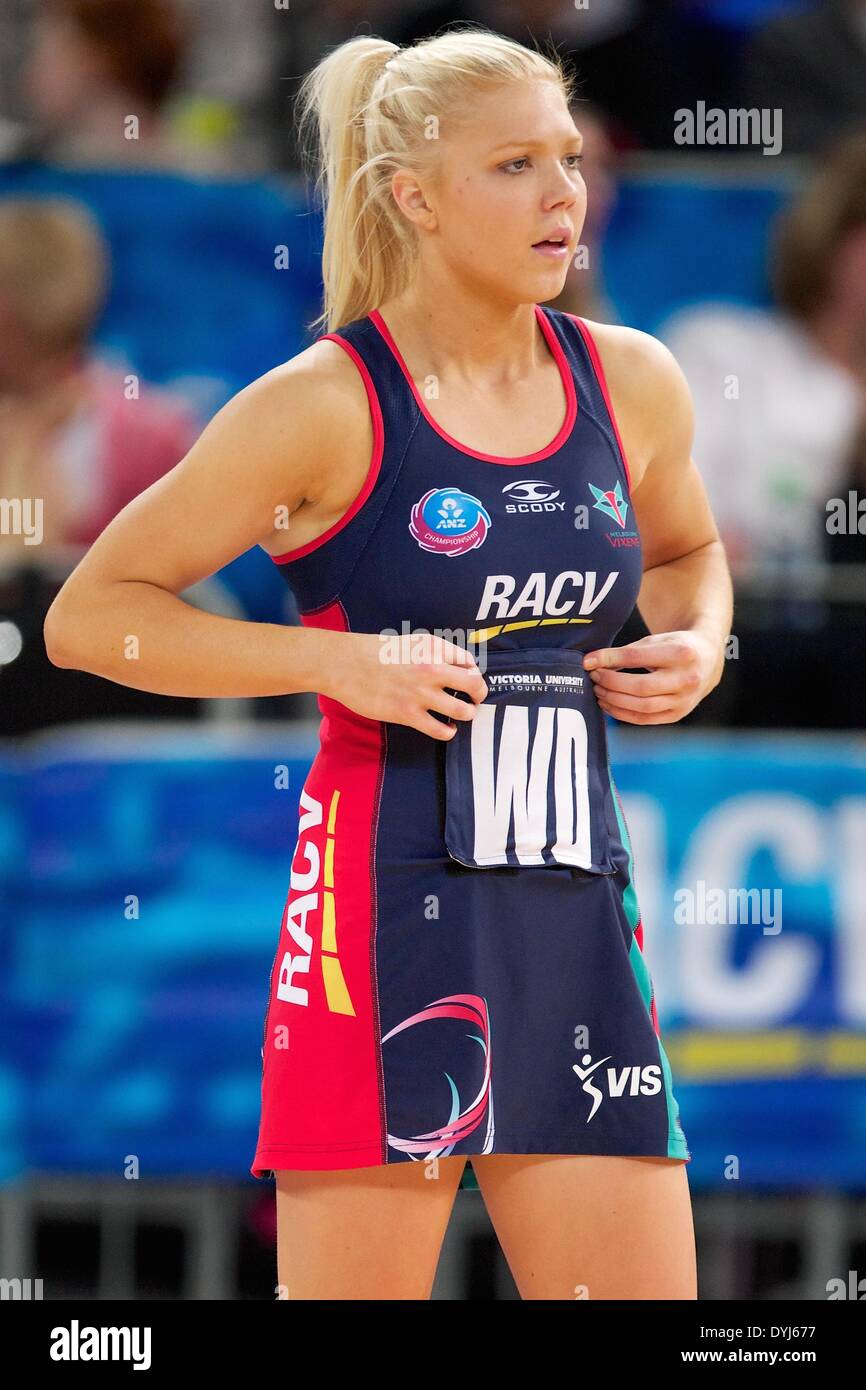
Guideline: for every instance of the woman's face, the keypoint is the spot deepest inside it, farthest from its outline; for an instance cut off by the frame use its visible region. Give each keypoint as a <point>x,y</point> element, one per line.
<point>503,183</point>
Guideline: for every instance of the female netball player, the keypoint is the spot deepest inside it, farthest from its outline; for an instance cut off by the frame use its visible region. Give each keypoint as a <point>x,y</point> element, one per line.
<point>459,969</point>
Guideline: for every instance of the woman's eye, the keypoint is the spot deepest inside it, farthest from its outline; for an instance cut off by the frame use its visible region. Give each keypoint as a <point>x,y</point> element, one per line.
<point>524,159</point>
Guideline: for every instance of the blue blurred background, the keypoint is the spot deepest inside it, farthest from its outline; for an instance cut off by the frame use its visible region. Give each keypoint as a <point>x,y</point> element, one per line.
<point>144,845</point>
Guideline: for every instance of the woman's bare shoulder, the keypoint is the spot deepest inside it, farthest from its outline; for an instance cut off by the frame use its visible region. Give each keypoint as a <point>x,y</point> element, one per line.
<point>322,396</point>
<point>294,433</point>
<point>648,390</point>
<point>318,392</point>
<point>630,355</point>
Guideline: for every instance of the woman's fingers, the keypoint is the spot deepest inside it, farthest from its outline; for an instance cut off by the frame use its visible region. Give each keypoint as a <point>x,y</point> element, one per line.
<point>641,704</point>
<point>451,705</point>
<point>662,716</point>
<point>670,681</point>
<point>426,724</point>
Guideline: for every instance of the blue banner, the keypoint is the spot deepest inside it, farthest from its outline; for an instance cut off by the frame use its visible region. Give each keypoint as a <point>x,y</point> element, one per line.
<point>143,880</point>
<point>751,874</point>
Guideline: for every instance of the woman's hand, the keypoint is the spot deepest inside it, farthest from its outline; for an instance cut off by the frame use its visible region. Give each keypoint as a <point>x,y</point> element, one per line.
<point>683,668</point>
<point>401,679</point>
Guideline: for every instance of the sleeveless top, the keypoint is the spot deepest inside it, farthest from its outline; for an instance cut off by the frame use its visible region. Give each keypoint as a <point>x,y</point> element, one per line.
<point>536,558</point>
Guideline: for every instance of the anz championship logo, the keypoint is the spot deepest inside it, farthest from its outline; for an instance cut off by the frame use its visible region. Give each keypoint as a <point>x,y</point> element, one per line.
<point>449,521</point>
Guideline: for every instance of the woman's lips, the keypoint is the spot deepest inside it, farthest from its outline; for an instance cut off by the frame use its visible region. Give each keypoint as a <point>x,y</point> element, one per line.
<point>552,248</point>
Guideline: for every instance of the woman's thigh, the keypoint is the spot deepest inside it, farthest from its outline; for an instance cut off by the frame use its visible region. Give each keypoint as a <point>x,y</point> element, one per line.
<point>364,1233</point>
<point>592,1226</point>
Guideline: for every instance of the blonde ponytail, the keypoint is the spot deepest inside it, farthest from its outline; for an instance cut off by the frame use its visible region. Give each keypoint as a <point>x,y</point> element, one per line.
<point>372,108</point>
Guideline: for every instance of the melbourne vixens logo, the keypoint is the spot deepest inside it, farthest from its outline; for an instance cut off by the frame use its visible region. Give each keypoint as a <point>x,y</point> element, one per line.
<point>614,505</point>
<point>449,521</point>
<point>612,502</point>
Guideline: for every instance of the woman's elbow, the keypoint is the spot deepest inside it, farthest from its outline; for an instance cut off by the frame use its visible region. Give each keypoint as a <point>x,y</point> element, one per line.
<point>58,633</point>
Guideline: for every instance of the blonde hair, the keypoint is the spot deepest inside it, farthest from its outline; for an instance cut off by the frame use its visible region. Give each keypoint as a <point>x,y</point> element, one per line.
<point>371,107</point>
<point>54,268</point>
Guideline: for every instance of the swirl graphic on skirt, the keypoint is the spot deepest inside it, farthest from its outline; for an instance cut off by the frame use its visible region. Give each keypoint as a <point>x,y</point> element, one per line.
<point>460,1124</point>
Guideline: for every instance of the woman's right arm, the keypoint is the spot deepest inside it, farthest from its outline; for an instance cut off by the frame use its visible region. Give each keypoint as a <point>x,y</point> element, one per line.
<point>269,448</point>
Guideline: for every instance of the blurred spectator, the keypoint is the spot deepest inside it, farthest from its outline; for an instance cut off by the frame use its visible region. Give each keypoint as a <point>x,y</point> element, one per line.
<point>14,19</point>
<point>102,85</point>
<point>75,432</point>
<point>812,66</point>
<point>228,73</point>
<point>779,393</point>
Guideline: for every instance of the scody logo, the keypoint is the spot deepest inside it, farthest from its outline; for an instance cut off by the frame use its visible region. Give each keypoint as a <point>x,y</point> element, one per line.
<point>532,495</point>
<point>644,1081</point>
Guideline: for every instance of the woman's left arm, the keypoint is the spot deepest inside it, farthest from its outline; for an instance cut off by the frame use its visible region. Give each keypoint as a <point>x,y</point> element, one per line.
<point>686,596</point>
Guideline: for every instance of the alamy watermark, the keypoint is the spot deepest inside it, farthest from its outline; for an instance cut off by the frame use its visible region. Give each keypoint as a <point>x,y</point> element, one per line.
<point>20,1290</point>
<point>722,906</point>
<point>846,516</point>
<point>760,126</point>
<point>417,645</point>
<point>22,516</point>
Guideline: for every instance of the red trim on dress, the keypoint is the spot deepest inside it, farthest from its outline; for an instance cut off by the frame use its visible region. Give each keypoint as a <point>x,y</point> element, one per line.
<point>602,381</point>
<point>375,460</point>
<point>564,371</point>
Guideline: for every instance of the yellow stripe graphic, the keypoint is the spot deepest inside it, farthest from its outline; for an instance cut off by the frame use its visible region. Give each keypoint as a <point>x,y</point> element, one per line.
<point>336,992</point>
<point>329,924</point>
<point>484,634</point>
<point>335,987</point>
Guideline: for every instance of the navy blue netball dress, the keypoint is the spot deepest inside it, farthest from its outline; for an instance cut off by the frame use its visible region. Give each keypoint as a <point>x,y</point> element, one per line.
<point>460,964</point>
